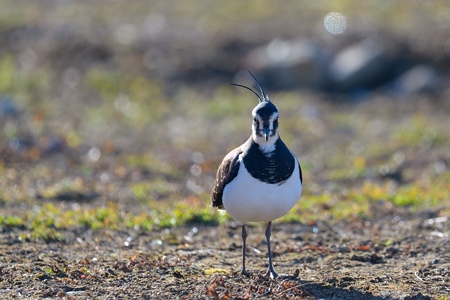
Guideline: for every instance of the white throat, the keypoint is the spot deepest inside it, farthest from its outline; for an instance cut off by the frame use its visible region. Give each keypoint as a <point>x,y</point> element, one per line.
<point>266,146</point>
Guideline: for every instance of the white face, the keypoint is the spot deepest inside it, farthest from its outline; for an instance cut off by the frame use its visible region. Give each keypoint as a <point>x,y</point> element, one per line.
<point>265,130</point>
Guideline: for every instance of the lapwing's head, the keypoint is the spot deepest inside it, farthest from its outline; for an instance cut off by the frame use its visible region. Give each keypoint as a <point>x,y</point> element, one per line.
<point>265,118</point>
<point>265,123</point>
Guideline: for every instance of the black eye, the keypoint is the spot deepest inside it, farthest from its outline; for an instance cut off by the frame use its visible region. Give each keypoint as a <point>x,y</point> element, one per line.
<point>275,121</point>
<point>255,120</point>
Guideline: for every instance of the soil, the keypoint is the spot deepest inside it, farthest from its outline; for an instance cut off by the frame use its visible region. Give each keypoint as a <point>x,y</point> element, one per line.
<point>397,255</point>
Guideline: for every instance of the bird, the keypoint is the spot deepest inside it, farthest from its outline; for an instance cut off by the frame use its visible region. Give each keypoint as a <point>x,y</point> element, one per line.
<point>261,180</point>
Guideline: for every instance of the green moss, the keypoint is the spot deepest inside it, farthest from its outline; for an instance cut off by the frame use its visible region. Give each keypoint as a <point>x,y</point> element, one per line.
<point>11,221</point>
<point>7,75</point>
<point>107,82</point>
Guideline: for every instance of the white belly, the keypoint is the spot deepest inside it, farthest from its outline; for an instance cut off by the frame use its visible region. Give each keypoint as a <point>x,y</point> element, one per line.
<point>247,199</point>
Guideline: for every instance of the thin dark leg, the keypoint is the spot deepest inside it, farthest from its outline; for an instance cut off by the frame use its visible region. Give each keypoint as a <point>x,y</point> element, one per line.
<point>244,247</point>
<point>270,271</point>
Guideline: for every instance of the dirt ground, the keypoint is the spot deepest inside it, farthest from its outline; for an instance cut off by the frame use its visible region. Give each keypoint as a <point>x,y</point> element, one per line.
<point>396,256</point>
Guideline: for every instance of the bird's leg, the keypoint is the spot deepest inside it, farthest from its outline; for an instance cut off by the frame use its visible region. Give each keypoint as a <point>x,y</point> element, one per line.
<point>244,247</point>
<point>270,271</point>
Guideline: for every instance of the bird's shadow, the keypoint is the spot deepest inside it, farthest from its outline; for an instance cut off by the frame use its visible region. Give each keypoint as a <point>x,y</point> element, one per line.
<point>292,286</point>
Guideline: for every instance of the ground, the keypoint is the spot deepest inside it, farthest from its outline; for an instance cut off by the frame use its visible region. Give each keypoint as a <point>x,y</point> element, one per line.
<point>396,256</point>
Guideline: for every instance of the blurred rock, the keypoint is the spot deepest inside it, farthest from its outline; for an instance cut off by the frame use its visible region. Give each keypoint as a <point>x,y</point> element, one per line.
<point>8,107</point>
<point>419,79</point>
<point>51,145</point>
<point>361,66</point>
<point>21,143</point>
<point>72,196</point>
<point>286,64</point>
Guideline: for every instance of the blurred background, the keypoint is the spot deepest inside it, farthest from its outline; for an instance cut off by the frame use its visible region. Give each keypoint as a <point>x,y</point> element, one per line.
<point>129,102</point>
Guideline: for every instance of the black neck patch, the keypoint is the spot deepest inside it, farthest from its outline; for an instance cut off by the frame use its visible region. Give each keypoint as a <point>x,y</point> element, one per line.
<point>273,167</point>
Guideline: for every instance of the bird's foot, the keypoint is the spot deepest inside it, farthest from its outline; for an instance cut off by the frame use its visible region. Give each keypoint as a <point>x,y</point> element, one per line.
<point>244,272</point>
<point>271,273</point>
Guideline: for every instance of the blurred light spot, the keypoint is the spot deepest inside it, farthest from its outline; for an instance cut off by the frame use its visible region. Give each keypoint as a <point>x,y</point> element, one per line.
<point>178,129</point>
<point>438,220</point>
<point>191,234</point>
<point>10,129</point>
<point>399,157</point>
<point>439,167</point>
<point>123,104</point>
<point>384,170</point>
<point>193,231</point>
<point>278,49</point>
<point>40,183</point>
<point>31,192</point>
<point>94,154</point>
<point>196,170</point>
<point>154,24</point>
<point>71,77</point>
<point>335,23</point>
<point>437,233</point>
<point>194,187</point>
<point>104,178</point>
<point>75,206</point>
<point>156,243</point>
<point>126,34</point>
<point>376,127</point>
<point>355,149</point>
<point>257,251</point>
<point>128,241</point>
<point>197,157</point>
<point>428,138</point>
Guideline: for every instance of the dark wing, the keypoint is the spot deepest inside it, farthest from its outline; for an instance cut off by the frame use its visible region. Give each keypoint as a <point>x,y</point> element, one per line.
<point>300,171</point>
<point>227,171</point>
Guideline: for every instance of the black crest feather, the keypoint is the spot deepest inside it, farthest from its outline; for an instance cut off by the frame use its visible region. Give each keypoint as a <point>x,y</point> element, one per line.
<point>263,97</point>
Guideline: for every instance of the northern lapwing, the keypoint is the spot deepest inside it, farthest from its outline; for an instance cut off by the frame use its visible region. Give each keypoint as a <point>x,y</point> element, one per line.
<point>260,180</point>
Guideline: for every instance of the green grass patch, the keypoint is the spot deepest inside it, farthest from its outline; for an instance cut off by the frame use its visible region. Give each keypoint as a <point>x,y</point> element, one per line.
<point>417,132</point>
<point>47,222</point>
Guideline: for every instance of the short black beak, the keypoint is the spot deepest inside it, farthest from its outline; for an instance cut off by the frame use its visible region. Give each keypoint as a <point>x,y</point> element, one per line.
<point>266,133</point>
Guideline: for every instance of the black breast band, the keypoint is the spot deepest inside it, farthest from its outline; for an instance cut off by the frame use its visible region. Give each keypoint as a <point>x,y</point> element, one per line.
<point>273,167</point>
